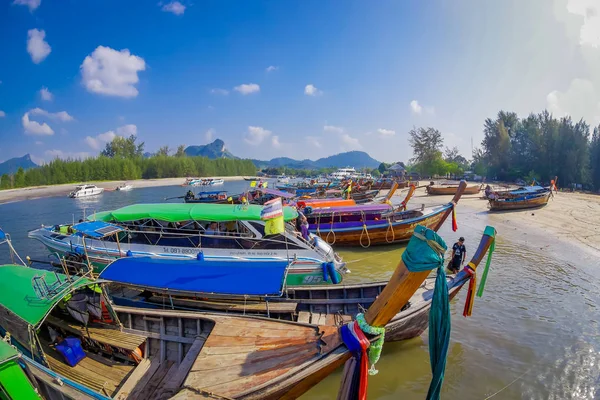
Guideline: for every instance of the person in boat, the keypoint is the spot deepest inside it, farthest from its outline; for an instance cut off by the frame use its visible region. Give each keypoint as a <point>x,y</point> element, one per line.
<point>212,229</point>
<point>189,195</point>
<point>304,226</point>
<point>459,252</point>
<point>488,192</point>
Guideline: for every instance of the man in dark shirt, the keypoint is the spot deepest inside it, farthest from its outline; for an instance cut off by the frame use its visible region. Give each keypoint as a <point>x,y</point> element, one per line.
<point>459,252</point>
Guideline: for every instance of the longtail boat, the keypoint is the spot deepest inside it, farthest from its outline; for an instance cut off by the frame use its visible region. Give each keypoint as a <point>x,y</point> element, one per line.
<point>183,231</point>
<point>132,284</point>
<point>447,189</point>
<point>14,381</point>
<point>522,198</point>
<point>155,354</point>
<point>353,226</point>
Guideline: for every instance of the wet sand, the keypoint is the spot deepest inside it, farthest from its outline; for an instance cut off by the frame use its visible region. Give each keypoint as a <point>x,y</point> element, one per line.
<point>568,217</point>
<point>36,192</point>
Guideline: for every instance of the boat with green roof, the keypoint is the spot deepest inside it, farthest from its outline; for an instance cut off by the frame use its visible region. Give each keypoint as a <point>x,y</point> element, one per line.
<point>14,382</point>
<point>188,231</point>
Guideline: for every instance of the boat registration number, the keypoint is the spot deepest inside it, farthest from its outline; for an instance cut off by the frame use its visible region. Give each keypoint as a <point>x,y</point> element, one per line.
<point>179,250</point>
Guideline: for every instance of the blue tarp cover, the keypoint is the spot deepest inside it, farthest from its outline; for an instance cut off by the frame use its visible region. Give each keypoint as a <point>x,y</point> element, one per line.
<point>253,278</point>
<point>96,229</point>
<point>2,235</point>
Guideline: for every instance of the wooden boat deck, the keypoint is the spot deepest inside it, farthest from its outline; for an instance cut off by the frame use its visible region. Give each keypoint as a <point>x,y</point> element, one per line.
<point>96,372</point>
<point>238,358</point>
<point>111,337</point>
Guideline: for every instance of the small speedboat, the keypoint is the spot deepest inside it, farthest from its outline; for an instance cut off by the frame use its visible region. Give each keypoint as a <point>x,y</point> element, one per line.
<point>124,188</point>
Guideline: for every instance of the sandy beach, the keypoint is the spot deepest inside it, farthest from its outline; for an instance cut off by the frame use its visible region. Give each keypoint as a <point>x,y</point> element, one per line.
<point>35,192</point>
<point>568,217</point>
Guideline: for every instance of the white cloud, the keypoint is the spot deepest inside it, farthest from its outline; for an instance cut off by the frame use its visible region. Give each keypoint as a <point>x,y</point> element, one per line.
<point>350,143</point>
<point>209,135</point>
<point>127,130</point>
<point>46,94</point>
<point>314,141</point>
<point>331,128</point>
<point>35,128</point>
<point>418,109</point>
<point>67,154</point>
<point>386,132</point>
<point>221,92</point>
<point>580,100</point>
<point>275,142</point>
<point>247,88</point>
<point>256,135</point>
<point>415,107</point>
<point>174,7</point>
<point>100,140</point>
<point>589,10</point>
<point>272,68</point>
<point>311,90</point>
<point>111,72</point>
<point>2,114</point>
<point>61,115</point>
<point>31,4</point>
<point>37,47</point>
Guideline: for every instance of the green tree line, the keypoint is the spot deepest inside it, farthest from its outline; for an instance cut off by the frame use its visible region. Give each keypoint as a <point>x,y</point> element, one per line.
<point>539,146</point>
<point>123,159</point>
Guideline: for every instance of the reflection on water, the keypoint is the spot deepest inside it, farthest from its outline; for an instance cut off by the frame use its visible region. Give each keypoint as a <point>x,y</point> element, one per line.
<point>533,335</point>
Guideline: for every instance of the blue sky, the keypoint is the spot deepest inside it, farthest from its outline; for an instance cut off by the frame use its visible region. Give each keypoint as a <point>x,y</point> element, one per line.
<point>301,79</point>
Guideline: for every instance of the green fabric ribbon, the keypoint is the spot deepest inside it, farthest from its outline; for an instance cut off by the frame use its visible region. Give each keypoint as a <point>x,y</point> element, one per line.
<point>492,233</point>
<point>425,251</point>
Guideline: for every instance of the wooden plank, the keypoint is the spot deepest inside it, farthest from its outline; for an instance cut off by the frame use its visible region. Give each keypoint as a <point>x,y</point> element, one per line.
<point>145,380</point>
<point>135,377</point>
<point>176,380</point>
<point>154,382</point>
<point>111,337</point>
<point>304,317</point>
<point>274,307</point>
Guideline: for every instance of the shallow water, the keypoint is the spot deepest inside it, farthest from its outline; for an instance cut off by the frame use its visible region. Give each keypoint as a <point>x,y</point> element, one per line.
<point>533,335</point>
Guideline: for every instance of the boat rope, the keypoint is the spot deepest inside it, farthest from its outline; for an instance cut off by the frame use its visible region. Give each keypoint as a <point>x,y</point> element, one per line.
<point>331,230</point>
<point>364,231</point>
<point>390,228</point>
<point>319,225</point>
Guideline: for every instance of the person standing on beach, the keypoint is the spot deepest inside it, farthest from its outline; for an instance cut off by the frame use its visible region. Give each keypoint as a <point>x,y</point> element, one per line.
<point>459,252</point>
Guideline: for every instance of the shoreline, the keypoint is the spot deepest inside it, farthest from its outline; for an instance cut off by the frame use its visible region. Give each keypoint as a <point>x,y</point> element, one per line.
<point>569,217</point>
<point>36,192</point>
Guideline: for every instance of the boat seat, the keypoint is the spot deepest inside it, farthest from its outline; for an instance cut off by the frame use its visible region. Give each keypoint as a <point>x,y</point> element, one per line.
<point>105,335</point>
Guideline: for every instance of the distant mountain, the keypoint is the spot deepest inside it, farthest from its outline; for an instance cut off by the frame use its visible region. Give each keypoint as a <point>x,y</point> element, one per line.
<point>11,166</point>
<point>356,159</point>
<point>212,150</point>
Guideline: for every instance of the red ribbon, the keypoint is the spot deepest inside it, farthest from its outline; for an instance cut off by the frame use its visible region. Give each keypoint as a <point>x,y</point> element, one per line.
<point>454,224</point>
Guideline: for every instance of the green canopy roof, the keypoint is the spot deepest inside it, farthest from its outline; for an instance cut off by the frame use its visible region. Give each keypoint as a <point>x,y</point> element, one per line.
<point>17,293</point>
<point>173,212</point>
<point>7,352</point>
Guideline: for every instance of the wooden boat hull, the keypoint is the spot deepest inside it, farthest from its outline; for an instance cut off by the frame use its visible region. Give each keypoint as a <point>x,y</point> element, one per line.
<point>327,305</point>
<point>519,204</point>
<point>451,189</point>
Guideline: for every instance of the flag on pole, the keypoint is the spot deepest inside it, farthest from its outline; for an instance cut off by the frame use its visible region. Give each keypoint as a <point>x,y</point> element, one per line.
<point>272,213</point>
